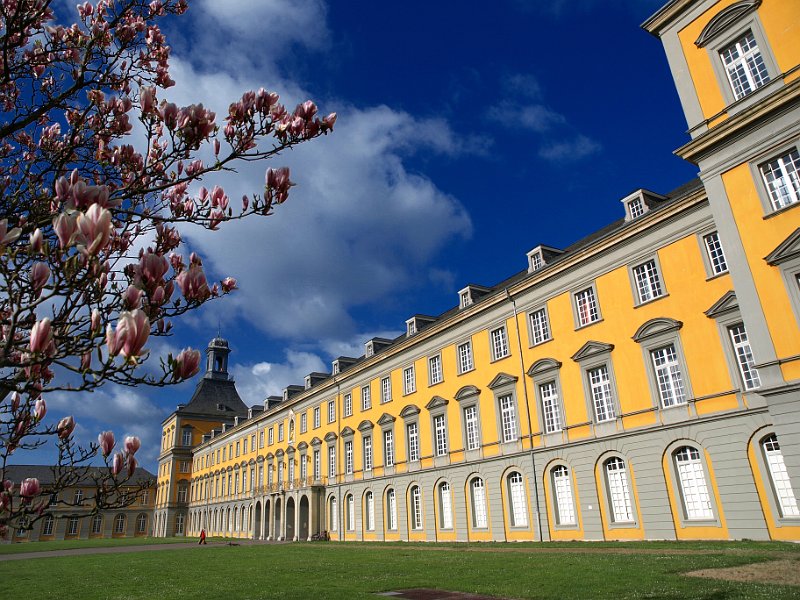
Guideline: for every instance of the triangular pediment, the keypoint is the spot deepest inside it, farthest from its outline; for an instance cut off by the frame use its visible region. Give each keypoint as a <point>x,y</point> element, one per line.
<point>436,402</point>
<point>365,425</point>
<point>592,348</point>
<point>502,379</point>
<point>330,437</point>
<point>724,19</point>
<point>468,391</point>
<point>347,432</point>
<point>786,250</point>
<point>655,327</point>
<point>409,411</point>
<point>386,419</point>
<point>544,365</point>
<point>727,304</point>
<point>315,441</point>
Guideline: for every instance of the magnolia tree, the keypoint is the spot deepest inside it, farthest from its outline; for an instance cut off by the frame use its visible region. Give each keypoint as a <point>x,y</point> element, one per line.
<point>98,169</point>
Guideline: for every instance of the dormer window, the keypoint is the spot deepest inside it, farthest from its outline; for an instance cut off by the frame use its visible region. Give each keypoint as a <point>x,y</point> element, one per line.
<point>411,327</point>
<point>640,203</point>
<point>308,382</point>
<point>335,367</point>
<point>285,395</point>
<point>369,349</point>
<point>536,261</point>
<point>464,298</point>
<point>541,256</point>
<point>636,208</point>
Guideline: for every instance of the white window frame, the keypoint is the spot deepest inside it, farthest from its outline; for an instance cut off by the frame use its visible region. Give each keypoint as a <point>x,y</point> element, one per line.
<point>695,493</point>
<point>350,502</point>
<point>618,491</point>
<point>369,502</point>
<point>317,466</point>
<point>464,357</point>
<point>647,281</point>
<point>669,378</point>
<point>348,457</point>
<point>348,405</point>
<point>743,355</point>
<point>509,427</point>
<point>550,401</point>
<point>714,254</point>
<point>472,432</point>
<point>599,384</point>
<point>412,441</point>
<point>416,508</point>
<point>787,162</point>
<point>367,456</point>
<point>445,505</point>
<point>498,343</point>
<point>783,497</point>
<point>745,64</point>
<point>304,422</point>
<point>271,436</point>
<point>563,497</point>
<point>440,435</point>
<point>517,500</point>
<point>391,510</point>
<point>409,380</point>
<point>480,515</point>
<point>331,462</point>
<point>388,447</point>
<point>539,330</point>
<point>435,372</point>
<point>386,389</point>
<point>317,419</point>
<point>586,306</point>
<point>331,411</point>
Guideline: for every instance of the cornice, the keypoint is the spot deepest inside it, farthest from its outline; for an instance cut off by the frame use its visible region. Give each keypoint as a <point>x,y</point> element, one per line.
<point>666,15</point>
<point>733,126</point>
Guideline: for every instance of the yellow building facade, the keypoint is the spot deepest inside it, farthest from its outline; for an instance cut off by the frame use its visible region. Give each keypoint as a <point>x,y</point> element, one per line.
<point>643,383</point>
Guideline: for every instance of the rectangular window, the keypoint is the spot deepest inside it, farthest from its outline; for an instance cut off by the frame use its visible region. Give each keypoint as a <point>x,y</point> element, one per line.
<point>187,437</point>
<point>409,380</point>
<point>316,465</point>
<point>261,439</point>
<point>331,411</point>
<point>600,388</point>
<point>271,436</point>
<point>435,369</point>
<point>716,257</point>
<point>636,207</point>
<point>303,468</point>
<point>348,457</point>
<point>348,404</point>
<point>366,398</point>
<point>446,500</point>
<point>471,428</point>
<point>508,418</point>
<point>563,491</point>
<point>331,461</point>
<point>316,417</point>
<point>744,65</point>
<point>303,422</point>
<point>648,281</point>
<point>617,477</point>
<point>586,307</point>
<point>744,357</point>
<point>540,328</point>
<point>386,390</point>
<point>413,442</point>
<point>499,343</point>
<point>391,509</point>
<point>465,357</point>
<point>551,409</point>
<point>479,503</point>
<point>368,453</point>
<point>440,432</point>
<point>238,448</point>
<point>280,432</point>
<point>782,180</point>
<point>388,448</point>
<point>416,508</point>
<point>668,376</point>
<point>72,526</point>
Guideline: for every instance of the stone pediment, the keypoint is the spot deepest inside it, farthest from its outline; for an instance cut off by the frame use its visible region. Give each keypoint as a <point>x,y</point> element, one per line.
<point>655,327</point>
<point>468,391</point>
<point>436,402</point>
<point>724,19</point>
<point>409,411</point>
<point>365,425</point>
<point>726,304</point>
<point>386,419</point>
<point>544,365</point>
<point>315,441</point>
<point>592,348</point>
<point>347,432</point>
<point>502,379</point>
<point>330,436</point>
<point>786,250</point>
<point>302,446</point>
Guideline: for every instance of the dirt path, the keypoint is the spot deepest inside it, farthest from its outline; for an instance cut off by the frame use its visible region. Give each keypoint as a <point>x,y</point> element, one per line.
<point>783,572</point>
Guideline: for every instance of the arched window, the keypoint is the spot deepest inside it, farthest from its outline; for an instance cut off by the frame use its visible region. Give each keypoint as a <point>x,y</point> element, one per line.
<point>119,523</point>
<point>369,501</point>
<point>141,523</point>
<point>97,524</point>
<point>516,495</point>
<point>619,496</point>
<point>445,506</point>
<point>692,478</point>
<point>351,512</point>
<point>416,508</point>
<point>47,525</point>
<point>334,517</point>
<point>391,510</point>
<point>478,493</point>
<point>562,489</point>
<point>781,484</point>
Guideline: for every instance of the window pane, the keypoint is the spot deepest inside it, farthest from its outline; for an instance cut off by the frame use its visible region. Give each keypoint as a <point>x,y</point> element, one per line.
<point>479,503</point>
<point>446,505</point>
<point>519,507</point>
<point>744,65</point>
<point>550,407</point>
<point>744,357</point>
<point>782,180</point>
<point>668,376</point>
<point>715,254</point>
<point>617,477</point>
<point>565,510</point>
<point>781,483</point>
<point>600,385</point>
<point>696,499</point>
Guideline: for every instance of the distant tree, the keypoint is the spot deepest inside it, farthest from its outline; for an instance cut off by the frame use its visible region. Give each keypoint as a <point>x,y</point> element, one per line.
<point>96,171</point>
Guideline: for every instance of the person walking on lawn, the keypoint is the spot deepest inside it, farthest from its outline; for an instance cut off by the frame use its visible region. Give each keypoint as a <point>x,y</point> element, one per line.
<point>202,536</point>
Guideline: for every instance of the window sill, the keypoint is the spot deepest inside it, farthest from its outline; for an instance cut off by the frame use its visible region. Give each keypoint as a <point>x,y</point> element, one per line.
<point>535,344</point>
<point>717,275</point>
<point>651,301</point>
<point>499,358</point>
<point>781,210</point>
<point>460,373</point>
<point>579,327</point>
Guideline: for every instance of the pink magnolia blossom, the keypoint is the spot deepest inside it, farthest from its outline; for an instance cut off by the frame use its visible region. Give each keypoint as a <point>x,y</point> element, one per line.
<point>187,364</point>
<point>8,236</point>
<point>40,275</point>
<point>152,267</point>
<point>96,324</point>
<point>132,298</point>
<point>132,444</point>
<point>39,409</point>
<point>94,227</point>
<point>130,336</point>
<point>228,284</point>
<point>65,427</point>
<point>15,400</point>
<point>37,241</point>
<point>147,97</point>
<point>42,337</point>
<point>132,463</point>
<point>193,284</point>
<point>29,488</point>
<point>106,442</point>
<point>86,361</point>
<point>65,226</point>
<point>117,463</point>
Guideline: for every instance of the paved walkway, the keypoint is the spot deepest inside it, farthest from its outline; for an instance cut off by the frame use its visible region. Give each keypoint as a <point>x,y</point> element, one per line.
<point>125,549</point>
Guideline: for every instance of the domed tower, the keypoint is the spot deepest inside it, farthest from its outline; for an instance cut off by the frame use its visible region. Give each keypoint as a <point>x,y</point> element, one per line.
<point>214,405</point>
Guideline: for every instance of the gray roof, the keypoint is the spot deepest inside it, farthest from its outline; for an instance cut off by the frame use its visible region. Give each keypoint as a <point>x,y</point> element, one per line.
<point>216,397</point>
<point>47,475</point>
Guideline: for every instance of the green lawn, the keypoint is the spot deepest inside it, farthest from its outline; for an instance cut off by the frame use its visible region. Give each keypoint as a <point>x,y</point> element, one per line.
<point>23,547</point>
<point>331,570</point>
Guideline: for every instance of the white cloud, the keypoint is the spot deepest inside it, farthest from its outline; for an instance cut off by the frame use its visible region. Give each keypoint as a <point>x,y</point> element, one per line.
<point>569,150</point>
<point>256,381</point>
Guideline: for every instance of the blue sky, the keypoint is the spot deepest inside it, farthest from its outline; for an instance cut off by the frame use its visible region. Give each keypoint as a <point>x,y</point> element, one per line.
<point>468,133</point>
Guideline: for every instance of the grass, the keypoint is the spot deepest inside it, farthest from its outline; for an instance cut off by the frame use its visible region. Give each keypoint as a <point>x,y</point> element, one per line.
<point>352,571</point>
